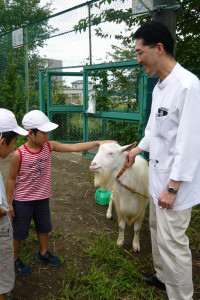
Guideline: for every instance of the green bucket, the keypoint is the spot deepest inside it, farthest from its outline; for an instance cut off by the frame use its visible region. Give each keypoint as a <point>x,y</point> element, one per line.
<point>102,196</point>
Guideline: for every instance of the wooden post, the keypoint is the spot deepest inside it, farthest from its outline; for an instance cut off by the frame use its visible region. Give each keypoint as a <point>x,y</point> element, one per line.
<point>90,36</point>
<point>166,15</point>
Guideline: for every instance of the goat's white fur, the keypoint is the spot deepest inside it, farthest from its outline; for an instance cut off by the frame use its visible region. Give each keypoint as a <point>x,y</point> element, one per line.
<point>130,207</point>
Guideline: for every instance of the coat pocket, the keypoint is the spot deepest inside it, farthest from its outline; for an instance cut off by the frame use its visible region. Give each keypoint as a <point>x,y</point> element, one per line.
<point>162,126</point>
<point>159,180</point>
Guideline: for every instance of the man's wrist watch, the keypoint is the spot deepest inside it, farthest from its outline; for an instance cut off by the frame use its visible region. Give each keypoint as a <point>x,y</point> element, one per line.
<point>171,190</point>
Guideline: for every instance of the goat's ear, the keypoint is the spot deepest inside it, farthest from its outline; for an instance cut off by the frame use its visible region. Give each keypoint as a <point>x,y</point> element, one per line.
<point>128,147</point>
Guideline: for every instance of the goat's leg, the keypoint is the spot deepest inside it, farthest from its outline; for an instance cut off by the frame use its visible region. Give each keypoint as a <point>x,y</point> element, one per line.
<point>109,210</point>
<point>137,227</point>
<point>120,240</point>
<point>136,240</point>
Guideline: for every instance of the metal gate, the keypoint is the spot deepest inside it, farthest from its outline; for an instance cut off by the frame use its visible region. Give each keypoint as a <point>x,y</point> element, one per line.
<point>117,93</point>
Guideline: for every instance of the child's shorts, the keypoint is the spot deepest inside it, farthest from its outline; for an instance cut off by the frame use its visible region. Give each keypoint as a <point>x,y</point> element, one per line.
<point>7,277</point>
<point>25,211</point>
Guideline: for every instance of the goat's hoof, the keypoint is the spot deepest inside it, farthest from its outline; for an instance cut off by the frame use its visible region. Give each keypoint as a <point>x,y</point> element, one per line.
<point>136,248</point>
<point>109,216</point>
<point>120,243</point>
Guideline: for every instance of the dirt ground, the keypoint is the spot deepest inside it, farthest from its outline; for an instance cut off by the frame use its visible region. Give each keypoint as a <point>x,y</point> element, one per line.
<point>75,216</point>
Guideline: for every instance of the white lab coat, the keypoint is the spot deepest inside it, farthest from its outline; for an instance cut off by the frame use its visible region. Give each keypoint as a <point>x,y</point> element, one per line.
<point>173,139</point>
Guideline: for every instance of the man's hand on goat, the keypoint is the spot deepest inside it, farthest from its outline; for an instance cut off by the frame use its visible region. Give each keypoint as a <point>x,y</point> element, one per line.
<point>132,155</point>
<point>130,158</point>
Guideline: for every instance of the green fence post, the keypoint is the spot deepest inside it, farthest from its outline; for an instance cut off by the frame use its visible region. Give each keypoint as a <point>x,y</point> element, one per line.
<point>41,92</point>
<point>26,67</point>
<point>85,105</point>
<point>49,100</point>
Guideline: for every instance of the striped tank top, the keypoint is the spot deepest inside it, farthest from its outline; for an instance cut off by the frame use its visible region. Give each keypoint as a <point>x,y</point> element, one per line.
<point>34,177</point>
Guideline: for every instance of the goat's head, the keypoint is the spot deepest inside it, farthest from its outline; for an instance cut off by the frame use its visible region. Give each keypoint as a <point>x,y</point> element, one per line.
<point>108,161</point>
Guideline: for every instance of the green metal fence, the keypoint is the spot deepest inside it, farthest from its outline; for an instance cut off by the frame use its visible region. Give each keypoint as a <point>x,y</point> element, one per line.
<point>119,91</point>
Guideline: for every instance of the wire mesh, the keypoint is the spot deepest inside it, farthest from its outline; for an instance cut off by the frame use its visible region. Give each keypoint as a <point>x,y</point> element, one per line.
<point>66,90</point>
<point>74,37</point>
<point>116,90</point>
<point>112,130</point>
<point>70,127</point>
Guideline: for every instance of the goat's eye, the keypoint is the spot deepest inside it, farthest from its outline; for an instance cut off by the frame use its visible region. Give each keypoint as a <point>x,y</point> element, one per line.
<point>110,154</point>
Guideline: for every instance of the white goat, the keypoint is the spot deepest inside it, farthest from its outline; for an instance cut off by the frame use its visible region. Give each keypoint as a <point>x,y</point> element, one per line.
<point>130,206</point>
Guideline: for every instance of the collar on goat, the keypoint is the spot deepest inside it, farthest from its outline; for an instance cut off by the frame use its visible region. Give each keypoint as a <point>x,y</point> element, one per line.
<point>125,186</point>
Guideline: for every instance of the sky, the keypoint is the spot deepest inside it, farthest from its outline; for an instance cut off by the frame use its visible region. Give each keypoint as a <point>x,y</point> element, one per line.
<point>73,49</point>
<point>60,5</point>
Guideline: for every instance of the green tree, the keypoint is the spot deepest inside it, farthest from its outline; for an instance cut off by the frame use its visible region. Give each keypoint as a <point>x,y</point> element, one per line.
<point>13,15</point>
<point>12,86</point>
<point>188,36</point>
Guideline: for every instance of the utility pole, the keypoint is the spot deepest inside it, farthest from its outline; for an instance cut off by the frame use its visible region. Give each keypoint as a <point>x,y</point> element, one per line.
<point>166,13</point>
<point>26,67</point>
<point>90,36</point>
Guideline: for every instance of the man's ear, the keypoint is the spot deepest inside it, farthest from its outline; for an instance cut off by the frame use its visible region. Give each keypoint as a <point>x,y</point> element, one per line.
<point>160,48</point>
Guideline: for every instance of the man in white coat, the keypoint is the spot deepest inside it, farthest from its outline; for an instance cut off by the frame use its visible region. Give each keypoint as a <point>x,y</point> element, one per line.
<point>172,138</point>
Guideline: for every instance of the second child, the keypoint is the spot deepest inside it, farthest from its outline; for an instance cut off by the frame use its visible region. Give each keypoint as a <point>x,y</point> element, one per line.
<point>9,131</point>
<point>29,186</point>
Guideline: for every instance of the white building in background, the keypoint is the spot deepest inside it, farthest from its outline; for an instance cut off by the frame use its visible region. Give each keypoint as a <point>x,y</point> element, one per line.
<point>54,64</point>
<point>79,84</point>
<point>75,93</point>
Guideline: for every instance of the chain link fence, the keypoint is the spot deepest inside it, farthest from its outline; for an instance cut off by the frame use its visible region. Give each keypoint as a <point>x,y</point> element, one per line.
<point>86,34</point>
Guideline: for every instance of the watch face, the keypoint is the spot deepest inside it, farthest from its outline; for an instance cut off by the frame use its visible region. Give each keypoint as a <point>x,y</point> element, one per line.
<point>172,190</point>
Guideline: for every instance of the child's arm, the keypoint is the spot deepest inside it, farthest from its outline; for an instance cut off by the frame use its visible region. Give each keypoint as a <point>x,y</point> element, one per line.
<point>11,181</point>
<point>59,147</point>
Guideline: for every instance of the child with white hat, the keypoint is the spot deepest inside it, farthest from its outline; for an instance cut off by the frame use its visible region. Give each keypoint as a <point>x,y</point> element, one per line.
<point>29,185</point>
<point>9,131</point>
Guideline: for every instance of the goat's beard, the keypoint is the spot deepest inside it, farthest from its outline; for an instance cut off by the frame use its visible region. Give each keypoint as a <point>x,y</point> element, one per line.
<point>104,179</point>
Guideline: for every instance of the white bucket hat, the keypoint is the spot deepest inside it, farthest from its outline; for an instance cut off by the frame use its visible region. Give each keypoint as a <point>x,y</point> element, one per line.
<point>36,119</point>
<point>8,122</point>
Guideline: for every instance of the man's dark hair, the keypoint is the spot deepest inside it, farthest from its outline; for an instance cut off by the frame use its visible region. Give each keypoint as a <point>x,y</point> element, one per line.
<point>155,32</point>
<point>9,136</point>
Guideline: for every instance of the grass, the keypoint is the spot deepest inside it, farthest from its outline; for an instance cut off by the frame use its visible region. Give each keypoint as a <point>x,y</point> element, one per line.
<point>111,274</point>
<point>27,246</point>
<point>104,271</point>
<point>194,229</point>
